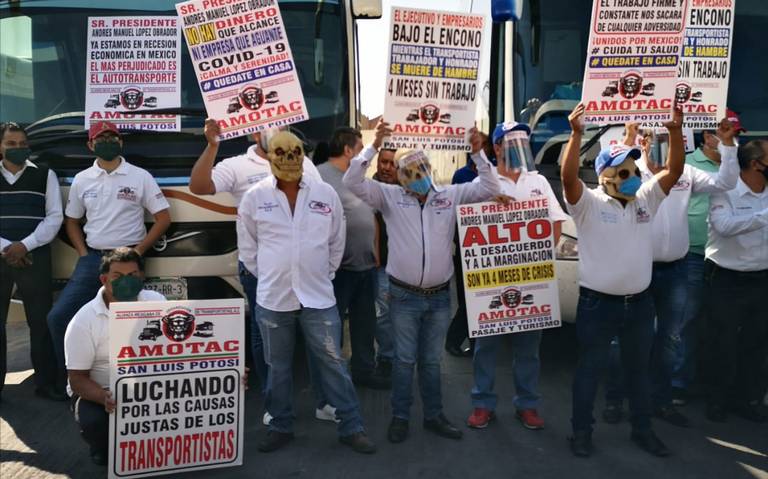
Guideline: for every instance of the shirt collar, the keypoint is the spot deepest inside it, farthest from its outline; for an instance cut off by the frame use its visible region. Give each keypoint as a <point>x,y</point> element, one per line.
<point>743,189</point>
<point>26,164</point>
<point>253,155</point>
<point>122,169</point>
<point>99,306</point>
<point>699,157</point>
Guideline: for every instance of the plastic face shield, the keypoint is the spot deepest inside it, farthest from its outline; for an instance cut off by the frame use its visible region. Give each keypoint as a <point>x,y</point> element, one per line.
<point>414,172</point>
<point>659,149</point>
<point>517,154</point>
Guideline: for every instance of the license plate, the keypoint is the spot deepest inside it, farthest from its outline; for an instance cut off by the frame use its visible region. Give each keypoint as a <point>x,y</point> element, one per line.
<point>174,289</point>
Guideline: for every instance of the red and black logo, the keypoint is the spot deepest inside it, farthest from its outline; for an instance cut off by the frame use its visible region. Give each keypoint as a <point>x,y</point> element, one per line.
<point>631,84</point>
<point>178,325</point>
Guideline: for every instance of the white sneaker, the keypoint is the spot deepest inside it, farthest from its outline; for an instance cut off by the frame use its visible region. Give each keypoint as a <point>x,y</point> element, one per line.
<point>267,418</point>
<point>327,413</point>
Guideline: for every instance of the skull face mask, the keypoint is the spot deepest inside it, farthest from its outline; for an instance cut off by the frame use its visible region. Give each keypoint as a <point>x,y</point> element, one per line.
<point>414,172</point>
<point>618,172</point>
<point>286,156</point>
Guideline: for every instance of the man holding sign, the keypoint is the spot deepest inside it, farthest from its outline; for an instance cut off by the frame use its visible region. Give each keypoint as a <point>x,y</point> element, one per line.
<point>421,220</point>
<point>615,264</point>
<point>519,182</point>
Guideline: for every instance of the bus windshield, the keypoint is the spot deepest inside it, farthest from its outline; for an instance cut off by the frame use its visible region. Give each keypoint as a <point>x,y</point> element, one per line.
<point>43,64</point>
<point>551,46</point>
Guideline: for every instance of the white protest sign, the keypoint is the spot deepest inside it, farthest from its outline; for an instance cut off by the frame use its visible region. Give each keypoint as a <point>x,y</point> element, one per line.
<point>432,81</point>
<point>133,64</point>
<point>508,261</point>
<point>702,89</point>
<point>243,63</point>
<point>631,70</point>
<point>176,376</point>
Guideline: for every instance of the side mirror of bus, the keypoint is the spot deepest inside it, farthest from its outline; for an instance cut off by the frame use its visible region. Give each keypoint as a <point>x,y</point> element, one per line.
<point>366,9</point>
<point>504,10</point>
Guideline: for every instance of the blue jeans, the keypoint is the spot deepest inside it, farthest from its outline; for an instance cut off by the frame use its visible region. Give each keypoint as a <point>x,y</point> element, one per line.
<point>82,287</point>
<point>249,283</point>
<point>669,291</point>
<point>525,353</point>
<point>685,367</point>
<point>356,293</point>
<point>322,333</point>
<point>600,318</point>
<point>420,323</point>
<point>386,351</point>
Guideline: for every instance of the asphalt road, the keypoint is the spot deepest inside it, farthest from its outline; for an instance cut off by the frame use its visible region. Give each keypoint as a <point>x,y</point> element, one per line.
<point>39,439</point>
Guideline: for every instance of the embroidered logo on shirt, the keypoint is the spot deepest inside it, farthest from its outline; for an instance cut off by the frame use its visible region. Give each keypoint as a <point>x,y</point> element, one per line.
<point>126,193</point>
<point>609,217</point>
<point>256,178</point>
<point>319,207</point>
<point>682,185</point>
<point>267,206</point>
<point>642,215</point>
<point>440,203</point>
<point>536,192</point>
<point>92,193</point>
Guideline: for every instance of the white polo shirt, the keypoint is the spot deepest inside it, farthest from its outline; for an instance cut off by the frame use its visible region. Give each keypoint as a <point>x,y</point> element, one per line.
<point>296,254</point>
<point>47,229</point>
<point>237,174</point>
<point>86,342</point>
<point>738,229</point>
<point>615,242</point>
<point>113,204</point>
<point>670,238</point>
<point>531,185</point>
<point>420,238</point>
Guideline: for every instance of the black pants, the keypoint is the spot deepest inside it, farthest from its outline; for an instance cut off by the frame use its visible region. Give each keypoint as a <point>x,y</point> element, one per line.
<point>459,330</point>
<point>34,284</point>
<point>356,293</point>
<point>94,424</point>
<point>736,338</point>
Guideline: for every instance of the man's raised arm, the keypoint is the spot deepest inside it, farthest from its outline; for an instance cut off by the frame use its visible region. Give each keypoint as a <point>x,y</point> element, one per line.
<point>569,169</point>
<point>372,192</point>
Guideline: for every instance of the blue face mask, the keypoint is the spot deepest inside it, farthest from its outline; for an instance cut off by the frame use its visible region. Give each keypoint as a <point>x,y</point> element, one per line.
<point>630,186</point>
<point>420,187</point>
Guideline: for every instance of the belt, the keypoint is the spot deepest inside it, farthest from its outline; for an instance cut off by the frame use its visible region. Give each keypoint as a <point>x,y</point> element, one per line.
<point>626,298</point>
<point>105,251</point>
<point>763,273</point>
<point>417,289</point>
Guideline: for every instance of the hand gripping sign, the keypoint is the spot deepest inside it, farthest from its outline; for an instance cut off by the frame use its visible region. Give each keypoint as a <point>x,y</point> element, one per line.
<point>176,376</point>
<point>244,64</point>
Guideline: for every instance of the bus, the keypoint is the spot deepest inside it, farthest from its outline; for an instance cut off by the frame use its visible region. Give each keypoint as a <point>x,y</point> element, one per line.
<point>42,87</point>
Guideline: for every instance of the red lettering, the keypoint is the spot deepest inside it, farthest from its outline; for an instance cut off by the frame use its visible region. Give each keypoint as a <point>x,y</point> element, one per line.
<point>126,352</point>
<point>539,229</point>
<point>156,350</point>
<point>232,345</point>
<point>474,236</point>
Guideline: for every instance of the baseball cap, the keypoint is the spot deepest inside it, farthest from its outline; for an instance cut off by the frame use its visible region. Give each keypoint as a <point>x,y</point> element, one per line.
<point>615,155</point>
<point>101,127</point>
<point>734,118</point>
<point>507,126</point>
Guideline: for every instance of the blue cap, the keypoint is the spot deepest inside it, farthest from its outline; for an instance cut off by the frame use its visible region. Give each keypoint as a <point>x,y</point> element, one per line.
<point>615,155</point>
<point>504,128</point>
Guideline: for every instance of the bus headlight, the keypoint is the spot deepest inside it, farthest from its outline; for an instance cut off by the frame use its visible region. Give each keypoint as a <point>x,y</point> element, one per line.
<point>567,248</point>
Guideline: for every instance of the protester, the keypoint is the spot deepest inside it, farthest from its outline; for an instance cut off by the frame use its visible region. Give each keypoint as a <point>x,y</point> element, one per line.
<point>112,196</point>
<point>294,225</point>
<point>30,218</point>
<point>669,278</point>
<point>235,176</point>
<point>707,158</point>
<point>421,220</point>
<point>519,181</point>
<point>86,345</point>
<point>615,263</point>
<point>386,172</point>
<point>355,282</point>
<point>458,331</point>
<point>736,274</point>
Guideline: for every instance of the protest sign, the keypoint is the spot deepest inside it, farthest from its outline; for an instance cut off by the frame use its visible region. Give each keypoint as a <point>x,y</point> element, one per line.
<point>132,65</point>
<point>432,81</point>
<point>702,87</point>
<point>615,136</point>
<point>176,371</point>
<point>631,70</point>
<point>243,63</point>
<point>508,259</point>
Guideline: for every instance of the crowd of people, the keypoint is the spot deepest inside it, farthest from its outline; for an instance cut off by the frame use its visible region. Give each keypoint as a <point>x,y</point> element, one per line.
<point>673,253</point>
